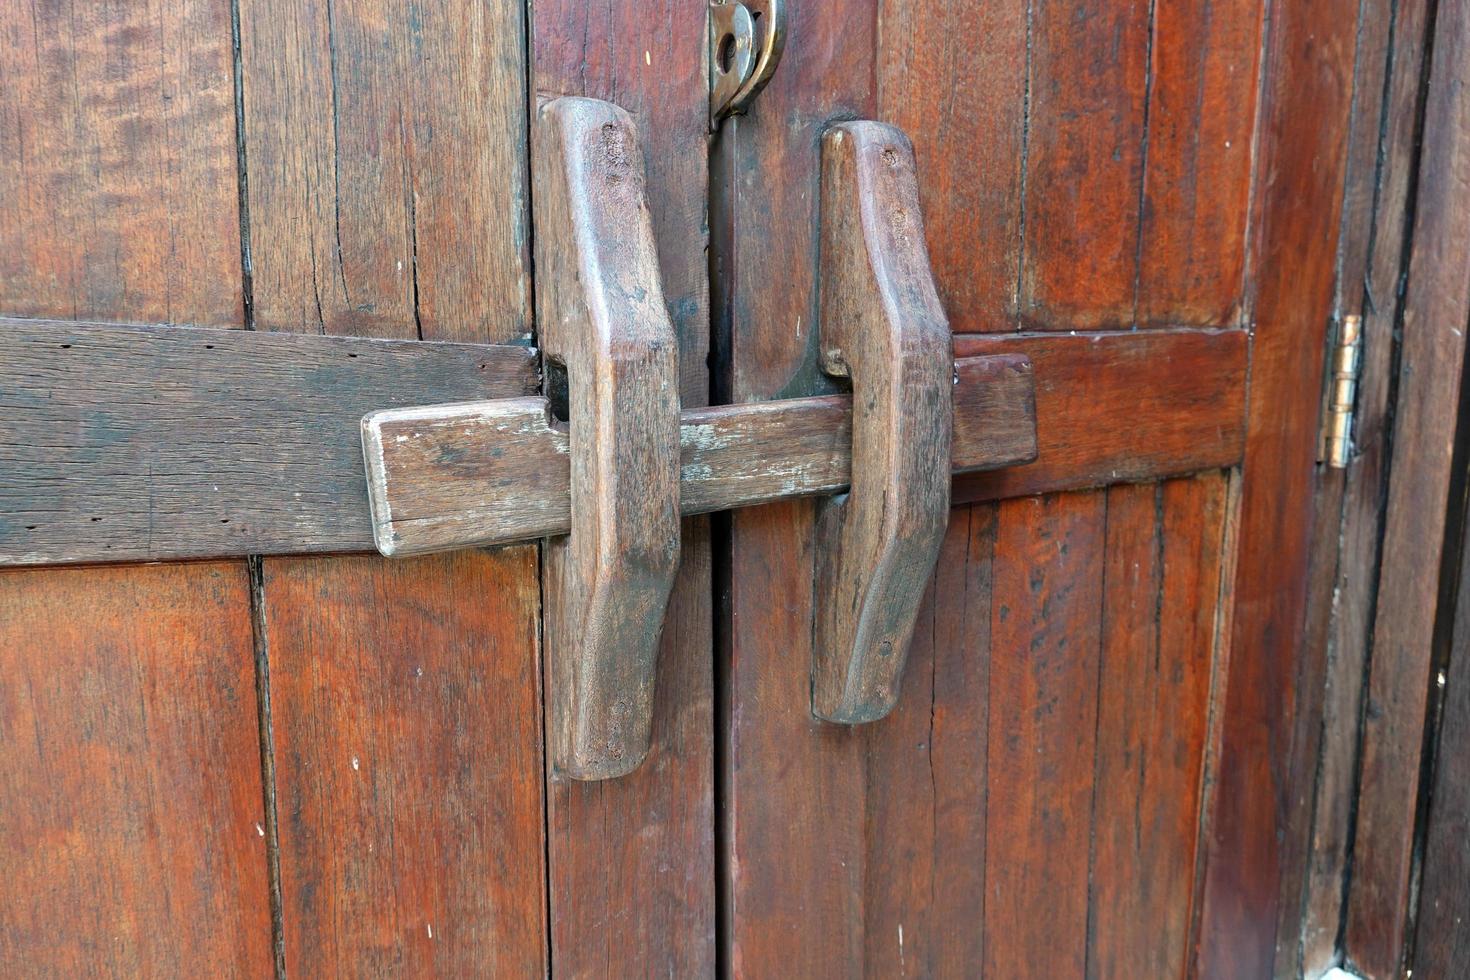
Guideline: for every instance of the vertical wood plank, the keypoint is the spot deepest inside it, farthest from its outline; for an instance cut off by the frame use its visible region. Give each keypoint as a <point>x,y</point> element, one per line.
<point>386,157</point>
<point>117,162</point>
<point>130,770</point>
<point>385,147</point>
<point>1436,313</point>
<point>1197,176</point>
<point>926,767</point>
<point>1047,615</point>
<point>129,742</point>
<point>793,788</point>
<point>1301,140</point>
<point>632,859</point>
<point>409,792</point>
<point>1162,586</point>
<point>928,86</point>
<point>1087,79</point>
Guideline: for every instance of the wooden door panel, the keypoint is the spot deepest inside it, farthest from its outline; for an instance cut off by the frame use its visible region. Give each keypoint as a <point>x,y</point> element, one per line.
<point>134,831</point>
<point>131,752</point>
<point>386,184</point>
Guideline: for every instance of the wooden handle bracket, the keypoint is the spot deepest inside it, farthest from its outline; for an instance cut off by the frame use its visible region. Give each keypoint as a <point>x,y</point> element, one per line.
<point>601,310</point>
<point>882,327</point>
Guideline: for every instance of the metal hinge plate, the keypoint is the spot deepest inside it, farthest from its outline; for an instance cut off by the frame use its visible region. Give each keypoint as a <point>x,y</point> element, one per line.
<point>1344,365</point>
<point>745,43</point>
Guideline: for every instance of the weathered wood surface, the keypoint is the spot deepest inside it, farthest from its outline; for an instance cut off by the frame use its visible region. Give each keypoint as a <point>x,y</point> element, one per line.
<point>142,443</point>
<point>600,306</point>
<point>480,473</point>
<point>129,746</point>
<point>883,329</point>
<point>388,194</point>
<point>1381,164</point>
<point>130,774</point>
<point>1122,407</point>
<point>632,867</point>
<point>1434,318</point>
<point>1252,824</point>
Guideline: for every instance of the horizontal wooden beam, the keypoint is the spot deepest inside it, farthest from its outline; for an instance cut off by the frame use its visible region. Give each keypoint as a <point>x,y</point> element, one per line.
<point>122,443</point>
<point>1121,407</point>
<point>451,476</point>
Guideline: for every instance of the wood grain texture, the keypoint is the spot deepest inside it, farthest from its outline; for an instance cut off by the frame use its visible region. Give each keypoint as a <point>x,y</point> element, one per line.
<point>1087,79</point>
<point>632,860</point>
<point>1301,140</point>
<point>130,769</point>
<point>127,443</point>
<point>1442,933</point>
<point>929,86</point>
<point>1435,315</point>
<point>480,473</point>
<point>410,797</point>
<point>1122,407</point>
<point>883,329</point>
<point>1381,164</point>
<point>117,163</point>
<point>601,313</point>
<point>386,147</point>
<point>386,153</point>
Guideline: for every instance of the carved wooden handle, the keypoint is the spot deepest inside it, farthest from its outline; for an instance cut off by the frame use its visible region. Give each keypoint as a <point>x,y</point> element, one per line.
<point>881,326</point>
<point>601,309</point>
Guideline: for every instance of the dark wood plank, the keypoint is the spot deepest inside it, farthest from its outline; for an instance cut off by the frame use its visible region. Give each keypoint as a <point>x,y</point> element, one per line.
<point>410,778</point>
<point>1380,169</point>
<point>1122,407</point>
<point>1203,70</point>
<point>601,312</point>
<point>1442,933</point>
<point>385,146</point>
<point>1162,580</point>
<point>926,770</point>
<point>1087,75</point>
<point>1431,355</point>
<point>118,191</point>
<point>632,861</point>
<point>883,329</point>
<point>127,443</point>
<point>133,833</point>
<point>1301,138</point>
<point>928,86</point>
<point>1047,615</point>
<point>481,473</point>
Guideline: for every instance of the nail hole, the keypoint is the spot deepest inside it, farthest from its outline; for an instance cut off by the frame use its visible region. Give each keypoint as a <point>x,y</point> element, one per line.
<point>726,58</point>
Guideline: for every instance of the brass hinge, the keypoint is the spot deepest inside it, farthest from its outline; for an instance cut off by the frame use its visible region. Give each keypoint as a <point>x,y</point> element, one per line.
<point>1344,365</point>
<point>745,43</point>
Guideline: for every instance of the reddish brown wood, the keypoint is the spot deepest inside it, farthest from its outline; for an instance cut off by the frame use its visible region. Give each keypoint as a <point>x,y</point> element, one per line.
<point>601,311</point>
<point>1115,407</point>
<point>386,168</point>
<point>1304,121</point>
<point>117,163</point>
<point>1047,617</point>
<point>1087,79</point>
<point>410,778</point>
<point>929,86</point>
<point>1435,315</point>
<point>632,860</point>
<point>483,473</point>
<point>130,770</point>
<point>1201,118</point>
<point>385,146</point>
<point>883,329</point>
<point>1162,581</point>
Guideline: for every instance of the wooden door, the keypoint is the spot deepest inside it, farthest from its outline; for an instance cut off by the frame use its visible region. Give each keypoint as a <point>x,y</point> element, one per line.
<point>328,765</point>
<point>1092,769</point>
